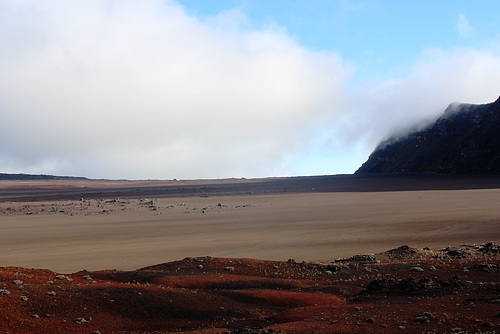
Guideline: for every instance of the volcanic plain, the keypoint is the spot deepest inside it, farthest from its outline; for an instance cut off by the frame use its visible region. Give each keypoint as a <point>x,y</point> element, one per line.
<point>326,254</point>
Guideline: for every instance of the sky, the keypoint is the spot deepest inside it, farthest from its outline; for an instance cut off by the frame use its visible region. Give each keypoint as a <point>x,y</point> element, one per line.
<point>189,89</point>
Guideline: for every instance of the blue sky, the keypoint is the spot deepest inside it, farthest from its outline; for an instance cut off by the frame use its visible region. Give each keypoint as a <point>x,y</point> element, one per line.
<point>238,88</point>
<point>381,37</point>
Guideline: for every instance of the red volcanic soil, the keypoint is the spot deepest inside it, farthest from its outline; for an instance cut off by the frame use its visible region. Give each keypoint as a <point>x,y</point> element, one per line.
<point>407,290</point>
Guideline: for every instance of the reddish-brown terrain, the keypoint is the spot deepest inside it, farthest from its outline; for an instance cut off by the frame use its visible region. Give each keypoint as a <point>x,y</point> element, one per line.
<point>454,290</point>
<point>318,223</point>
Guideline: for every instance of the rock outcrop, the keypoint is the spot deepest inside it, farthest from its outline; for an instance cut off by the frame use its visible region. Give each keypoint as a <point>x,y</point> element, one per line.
<point>464,140</point>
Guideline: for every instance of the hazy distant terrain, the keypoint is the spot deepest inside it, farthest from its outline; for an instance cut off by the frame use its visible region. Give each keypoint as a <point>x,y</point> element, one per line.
<point>74,189</point>
<point>70,226</point>
<point>250,256</point>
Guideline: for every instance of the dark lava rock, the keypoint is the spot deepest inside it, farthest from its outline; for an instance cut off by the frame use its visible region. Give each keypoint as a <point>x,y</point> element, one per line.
<point>422,320</point>
<point>486,267</point>
<point>464,140</point>
<point>408,286</point>
<point>363,258</point>
<point>490,248</point>
<point>402,253</point>
<point>457,253</point>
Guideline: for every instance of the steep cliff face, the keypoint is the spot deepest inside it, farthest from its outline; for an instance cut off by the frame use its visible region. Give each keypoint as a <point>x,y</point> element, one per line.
<point>465,139</point>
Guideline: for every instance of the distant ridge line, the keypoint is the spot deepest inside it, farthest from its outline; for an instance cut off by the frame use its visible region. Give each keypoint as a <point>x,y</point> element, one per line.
<point>37,177</point>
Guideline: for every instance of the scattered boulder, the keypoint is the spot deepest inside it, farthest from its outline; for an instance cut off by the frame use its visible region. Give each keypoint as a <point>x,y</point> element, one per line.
<point>455,253</point>
<point>403,287</point>
<point>422,320</point>
<point>428,315</point>
<point>486,267</point>
<point>404,252</point>
<point>80,321</point>
<point>332,268</point>
<point>363,258</point>
<point>4,292</point>
<point>490,248</point>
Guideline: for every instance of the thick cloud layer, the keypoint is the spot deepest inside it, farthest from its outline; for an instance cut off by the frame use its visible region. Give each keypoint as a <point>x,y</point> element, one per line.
<point>140,89</point>
<point>127,89</point>
<point>437,79</point>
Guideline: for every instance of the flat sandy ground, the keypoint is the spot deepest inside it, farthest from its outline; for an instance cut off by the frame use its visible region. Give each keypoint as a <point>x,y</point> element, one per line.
<point>126,234</point>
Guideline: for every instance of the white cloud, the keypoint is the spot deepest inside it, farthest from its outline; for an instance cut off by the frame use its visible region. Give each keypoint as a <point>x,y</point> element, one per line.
<point>465,30</point>
<point>143,90</point>
<point>126,89</point>
<point>440,77</point>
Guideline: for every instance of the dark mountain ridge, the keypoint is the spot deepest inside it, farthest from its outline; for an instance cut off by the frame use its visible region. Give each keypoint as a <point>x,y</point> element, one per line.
<point>34,177</point>
<point>464,140</point>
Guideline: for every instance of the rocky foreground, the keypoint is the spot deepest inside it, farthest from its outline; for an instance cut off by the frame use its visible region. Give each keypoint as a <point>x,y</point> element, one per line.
<point>404,290</point>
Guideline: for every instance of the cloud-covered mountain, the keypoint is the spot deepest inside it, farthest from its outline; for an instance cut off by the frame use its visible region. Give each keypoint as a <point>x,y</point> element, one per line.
<point>465,139</point>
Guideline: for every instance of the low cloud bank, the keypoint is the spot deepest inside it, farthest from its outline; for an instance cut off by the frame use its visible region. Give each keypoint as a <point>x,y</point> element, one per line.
<point>121,89</point>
